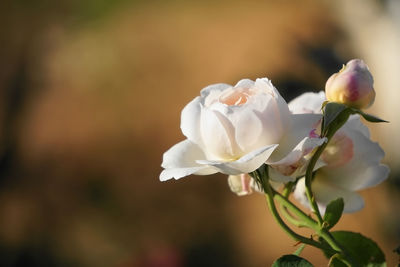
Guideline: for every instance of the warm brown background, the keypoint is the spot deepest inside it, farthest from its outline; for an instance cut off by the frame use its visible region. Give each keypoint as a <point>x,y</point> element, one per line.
<point>90,98</point>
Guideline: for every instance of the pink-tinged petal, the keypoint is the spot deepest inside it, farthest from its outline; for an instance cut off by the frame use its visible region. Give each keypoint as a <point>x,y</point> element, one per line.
<point>364,169</point>
<point>352,85</point>
<point>248,163</point>
<point>240,184</point>
<point>180,161</point>
<point>211,94</point>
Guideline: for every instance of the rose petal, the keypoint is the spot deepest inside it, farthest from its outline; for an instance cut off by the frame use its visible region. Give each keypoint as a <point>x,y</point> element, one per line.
<point>180,161</point>
<point>307,103</point>
<point>218,135</point>
<point>364,170</point>
<point>289,161</point>
<point>277,176</point>
<point>248,163</point>
<point>190,121</point>
<point>325,192</point>
<point>302,125</point>
<point>244,83</point>
<point>240,184</point>
<point>218,87</point>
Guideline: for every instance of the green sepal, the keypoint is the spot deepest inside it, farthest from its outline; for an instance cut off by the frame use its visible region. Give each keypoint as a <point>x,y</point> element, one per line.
<point>333,213</point>
<point>363,250</point>
<point>331,112</point>
<point>291,261</point>
<point>324,104</point>
<point>367,117</point>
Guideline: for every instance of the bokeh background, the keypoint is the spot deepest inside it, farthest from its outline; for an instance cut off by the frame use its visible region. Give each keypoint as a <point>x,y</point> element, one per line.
<point>90,98</point>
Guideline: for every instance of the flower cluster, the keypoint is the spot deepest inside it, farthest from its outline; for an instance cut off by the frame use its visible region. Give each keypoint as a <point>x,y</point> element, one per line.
<point>236,129</point>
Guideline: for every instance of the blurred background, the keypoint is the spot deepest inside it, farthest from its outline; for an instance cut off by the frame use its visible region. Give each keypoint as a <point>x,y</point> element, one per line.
<point>90,98</point>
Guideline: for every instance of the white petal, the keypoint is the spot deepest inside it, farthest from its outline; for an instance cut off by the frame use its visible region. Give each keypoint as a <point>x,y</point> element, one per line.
<point>218,135</point>
<point>266,86</point>
<point>356,124</point>
<point>178,173</point>
<point>244,83</point>
<point>277,176</point>
<point>373,176</point>
<point>212,93</point>
<point>303,148</point>
<point>248,163</point>
<point>244,126</point>
<point>325,192</point>
<point>307,103</point>
<point>180,161</point>
<point>190,120</point>
<point>218,87</point>
<point>302,125</point>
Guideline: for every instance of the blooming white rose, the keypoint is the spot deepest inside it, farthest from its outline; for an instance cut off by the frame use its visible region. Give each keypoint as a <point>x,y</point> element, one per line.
<point>229,129</point>
<point>235,129</point>
<point>352,161</point>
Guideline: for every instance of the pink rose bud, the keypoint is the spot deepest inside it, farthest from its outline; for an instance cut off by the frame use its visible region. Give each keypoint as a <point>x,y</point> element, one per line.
<point>352,85</point>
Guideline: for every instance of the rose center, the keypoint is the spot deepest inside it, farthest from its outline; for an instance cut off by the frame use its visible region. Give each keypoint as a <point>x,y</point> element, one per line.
<point>235,97</point>
<point>339,151</point>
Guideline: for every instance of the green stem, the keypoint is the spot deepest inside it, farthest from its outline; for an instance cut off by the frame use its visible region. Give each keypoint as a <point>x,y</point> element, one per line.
<point>288,189</point>
<point>284,210</point>
<point>288,216</point>
<point>334,126</point>
<point>306,220</point>
<point>309,222</point>
<point>320,230</point>
<point>271,205</point>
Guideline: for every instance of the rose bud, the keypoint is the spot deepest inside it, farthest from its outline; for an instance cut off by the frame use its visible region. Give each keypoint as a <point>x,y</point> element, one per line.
<point>352,85</point>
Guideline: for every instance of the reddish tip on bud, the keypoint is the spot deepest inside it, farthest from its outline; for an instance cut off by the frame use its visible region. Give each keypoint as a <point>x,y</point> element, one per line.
<point>352,85</point>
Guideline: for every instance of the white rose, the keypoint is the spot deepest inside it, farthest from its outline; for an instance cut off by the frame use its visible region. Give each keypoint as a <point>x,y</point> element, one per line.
<point>229,129</point>
<point>352,161</point>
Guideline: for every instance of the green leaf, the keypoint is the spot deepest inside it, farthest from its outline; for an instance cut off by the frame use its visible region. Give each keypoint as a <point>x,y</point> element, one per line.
<point>333,212</point>
<point>368,117</point>
<point>331,112</point>
<point>299,250</point>
<point>291,261</point>
<point>362,249</point>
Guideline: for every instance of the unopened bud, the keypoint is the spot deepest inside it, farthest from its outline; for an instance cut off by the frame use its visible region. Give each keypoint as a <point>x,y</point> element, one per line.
<point>352,85</point>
